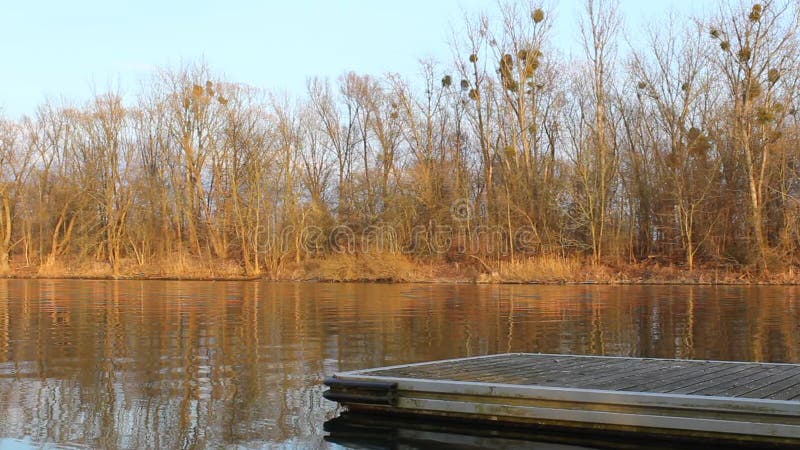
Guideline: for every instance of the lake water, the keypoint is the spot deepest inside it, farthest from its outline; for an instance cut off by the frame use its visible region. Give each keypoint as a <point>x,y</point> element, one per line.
<point>144,364</point>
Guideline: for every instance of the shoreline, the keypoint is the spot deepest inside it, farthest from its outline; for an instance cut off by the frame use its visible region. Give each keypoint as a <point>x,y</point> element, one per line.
<point>438,281</point>
<point>393,268</point>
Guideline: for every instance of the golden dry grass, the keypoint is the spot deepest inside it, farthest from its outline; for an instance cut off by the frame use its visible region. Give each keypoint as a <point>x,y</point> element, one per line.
<point>390,267</point>
<point>541,269</point>
<point>192,267</point>
<point>171,267</point>
<point>86,269</point>
<point>363,267</point>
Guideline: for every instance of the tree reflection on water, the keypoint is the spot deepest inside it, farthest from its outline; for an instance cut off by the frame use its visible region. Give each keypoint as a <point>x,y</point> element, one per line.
<point>191,364</point>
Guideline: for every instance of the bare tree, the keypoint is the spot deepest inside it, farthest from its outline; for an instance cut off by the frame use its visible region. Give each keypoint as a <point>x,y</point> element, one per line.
<point>675,94</point>
<point>15,160</point>
<point>593,135</point>
<point>757,45</point>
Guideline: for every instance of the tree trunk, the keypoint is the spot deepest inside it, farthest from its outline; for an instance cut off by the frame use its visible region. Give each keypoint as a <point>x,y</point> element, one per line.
<point>5,233</point>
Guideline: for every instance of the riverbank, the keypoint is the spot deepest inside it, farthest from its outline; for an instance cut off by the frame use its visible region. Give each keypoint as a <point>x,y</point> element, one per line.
<point>395,268</point>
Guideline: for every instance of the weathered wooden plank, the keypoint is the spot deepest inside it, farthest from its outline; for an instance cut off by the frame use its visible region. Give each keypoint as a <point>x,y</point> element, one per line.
<point>565,374</point>
<point>442,370</point>
<point>691,377</point>
<point>787,393</point>
<point>749,402</point>
<point>752,376</point>
<point>489,365</point>
<point>560,375</point>
<point>539,371</point>
<point>549,365</point>
<point>676,376</point>
<point>706,385</point>
<point>578,375</point>
<point>747,384</point>
<point>655,375</point>
<point>651,370</point>
<point>709,379</point>
<point>494,367</point>
<point>792,379</point>
<point>646,372</point>
<point>468,389</point>
<point>605,368</point>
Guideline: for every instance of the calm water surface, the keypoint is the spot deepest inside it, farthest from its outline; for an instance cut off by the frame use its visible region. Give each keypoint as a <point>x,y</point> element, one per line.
<point>138,364</point>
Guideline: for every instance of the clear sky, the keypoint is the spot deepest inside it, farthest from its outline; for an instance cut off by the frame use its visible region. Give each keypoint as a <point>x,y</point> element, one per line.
<point>69,49</point>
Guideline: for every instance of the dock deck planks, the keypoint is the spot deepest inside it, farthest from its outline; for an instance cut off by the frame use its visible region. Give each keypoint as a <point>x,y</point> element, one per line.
<point>738,401</point>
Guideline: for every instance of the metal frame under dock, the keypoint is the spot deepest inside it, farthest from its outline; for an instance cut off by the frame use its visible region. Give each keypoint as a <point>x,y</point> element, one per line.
<point>686,400</point>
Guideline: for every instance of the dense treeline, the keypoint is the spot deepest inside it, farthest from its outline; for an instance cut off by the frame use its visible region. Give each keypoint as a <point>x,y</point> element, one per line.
<point>678,143</point>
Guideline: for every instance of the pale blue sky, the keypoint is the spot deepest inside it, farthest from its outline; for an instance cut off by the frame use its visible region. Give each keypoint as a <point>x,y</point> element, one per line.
<point>61,48</point>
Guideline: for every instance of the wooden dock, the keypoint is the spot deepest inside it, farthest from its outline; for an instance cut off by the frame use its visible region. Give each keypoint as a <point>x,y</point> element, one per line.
<point>685,400</point>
